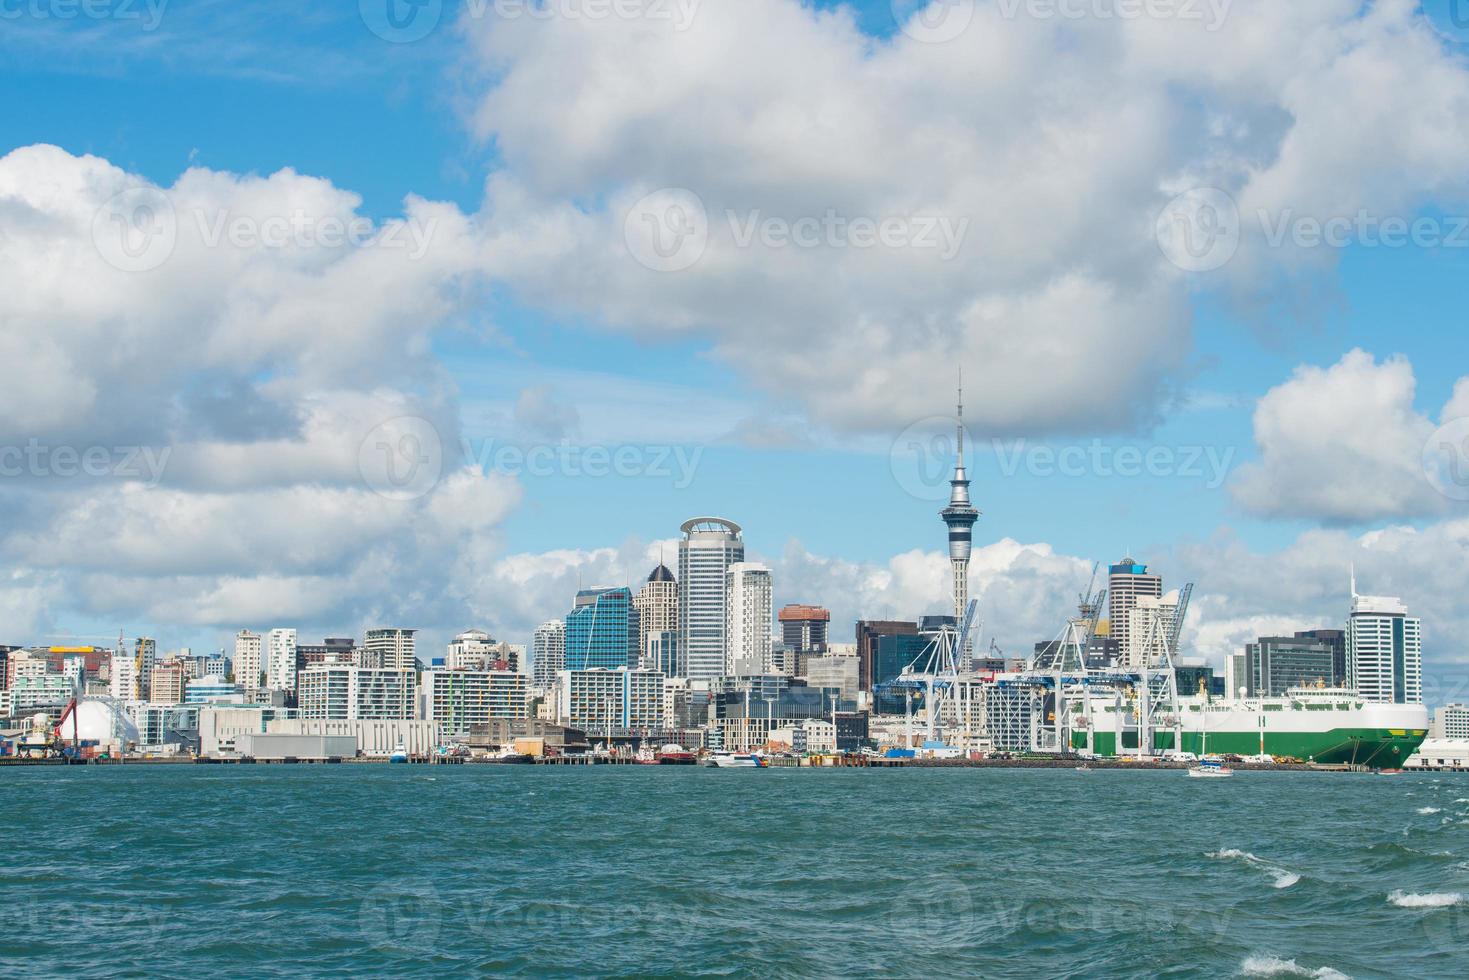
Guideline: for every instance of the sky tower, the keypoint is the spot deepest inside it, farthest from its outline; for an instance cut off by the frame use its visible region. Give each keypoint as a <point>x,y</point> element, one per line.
<point>960,516</point>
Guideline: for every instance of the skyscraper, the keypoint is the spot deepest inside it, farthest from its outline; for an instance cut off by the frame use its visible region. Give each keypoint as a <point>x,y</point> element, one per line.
<point>602,631</point>
<point>146,654</point>
<point>548,652</point>
<point>749,620</point>
<point>1274,664</point>
<point>869,635</point>
<point>390,648</point>
<point>1384,650</point>
<point>959,517</point>
<point>803,628</point>
<point>1128,581</point>
<point>709,546</point>
<point>282,669</point>
<point>248,649</point>
<point>657,605</point>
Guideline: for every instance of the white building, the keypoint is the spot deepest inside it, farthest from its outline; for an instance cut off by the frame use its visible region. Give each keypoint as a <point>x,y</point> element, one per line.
<point>470,650</point>
<point>807,735</point>
<point>332,691</point>
<point>390,648</point>
<point>842,673</point>
<point>213,689</point>
<point>1384,650</point>
<point>281,672</point>
<point>145,651</point>
<point>1128,581</point>
<point>1450,721</point>
<point>375,737</point>
<point>602,700</point>
<point>123,681</point>
<point>220,724</point>
<point>457,699</point>
<point>248,660</point>
<point>1440,753</point>
<point>548,653</point>
<point>750,616</point>
<point>1149,625</point>
<point>710,545</point>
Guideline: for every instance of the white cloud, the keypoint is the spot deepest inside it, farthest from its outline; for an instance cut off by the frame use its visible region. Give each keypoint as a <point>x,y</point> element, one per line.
<point>1342,444</point>
<point>1058,141</point>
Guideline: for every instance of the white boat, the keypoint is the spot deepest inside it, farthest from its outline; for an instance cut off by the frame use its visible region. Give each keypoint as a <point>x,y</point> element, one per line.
<point>735,760</point>
<point>1210,767</point>
<point>400,753</point>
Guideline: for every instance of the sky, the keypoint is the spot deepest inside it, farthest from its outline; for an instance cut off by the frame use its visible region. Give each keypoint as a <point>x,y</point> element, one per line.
<point>426,313</point>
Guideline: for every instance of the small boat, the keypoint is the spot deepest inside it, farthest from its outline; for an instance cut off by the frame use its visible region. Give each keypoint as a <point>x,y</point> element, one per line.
<point>674,755</point>
<point>1389,772</point>
<point>1210,767</point>
<point>735,760</point>
<point>1084,768</point>
<point>400,753</point>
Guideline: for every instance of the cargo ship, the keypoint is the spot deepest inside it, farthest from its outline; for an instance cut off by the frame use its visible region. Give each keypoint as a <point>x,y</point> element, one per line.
<point>1317,724</point>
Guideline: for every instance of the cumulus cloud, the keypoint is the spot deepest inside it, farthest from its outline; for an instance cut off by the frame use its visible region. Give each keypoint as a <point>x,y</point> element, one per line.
<point>1047,146</point>
<point>1342,444</point>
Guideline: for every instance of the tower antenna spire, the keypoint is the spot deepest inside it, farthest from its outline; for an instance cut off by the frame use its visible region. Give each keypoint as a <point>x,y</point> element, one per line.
<point>961,416</point>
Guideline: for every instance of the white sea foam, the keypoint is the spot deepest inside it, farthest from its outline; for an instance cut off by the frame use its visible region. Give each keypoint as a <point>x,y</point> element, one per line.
<point>1274,966</point>
<point>1283,878</point>
<point>1431,900</point>
<point>1426,810</point>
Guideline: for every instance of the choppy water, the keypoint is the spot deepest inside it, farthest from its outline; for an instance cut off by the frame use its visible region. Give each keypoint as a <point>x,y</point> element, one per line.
<point>399,870</point>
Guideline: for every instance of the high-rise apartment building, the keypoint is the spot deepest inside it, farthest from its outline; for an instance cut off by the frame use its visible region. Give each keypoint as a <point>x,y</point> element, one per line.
<point>548,653</point>
<point>657,605</point>
<point>283,663</point>
<point>458,699</point>
<point>470,650</point>
<point>1149,629</point>
<point>748,621</point>
<point>249,662</point>
<point>804,628</point>
<point>145,652</point>
<point>602,630</point>
<point>1384,650</point>
<point>710,545</point>
<point>166,683</point>
<point>331,692</point>
<point>602,702</point>
<point>390,648</point>
<point>1450,721</point>
<point>1127,582</point>
<point>1337,641</point>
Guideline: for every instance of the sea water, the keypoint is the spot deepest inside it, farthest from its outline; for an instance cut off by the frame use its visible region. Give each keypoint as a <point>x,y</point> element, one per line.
<point>371,870</point>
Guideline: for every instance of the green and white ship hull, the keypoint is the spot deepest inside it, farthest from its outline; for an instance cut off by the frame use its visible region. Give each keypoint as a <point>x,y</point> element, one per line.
<point>1314,725</point>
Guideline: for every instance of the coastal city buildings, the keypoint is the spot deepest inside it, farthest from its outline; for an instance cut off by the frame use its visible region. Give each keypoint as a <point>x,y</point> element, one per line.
<point>657,605</point>
<point>335,692</point>
<point>460,698</point>
<point>602,630</point>
<point>470,650</point>
<point>1384,650</point>
<point>1127,582</point>
<point>282,665</point>
<point>603,701</point>
<point>249,662</point>
<point>1451,721</point>
<point>548,652</point>
<point>710,545</point>
<point>389,648</point>
<point>1274,664</point>
<point>749,615</point>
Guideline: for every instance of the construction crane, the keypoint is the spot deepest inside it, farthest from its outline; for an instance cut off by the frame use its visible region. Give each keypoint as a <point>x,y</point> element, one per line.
<point>1176,631</point>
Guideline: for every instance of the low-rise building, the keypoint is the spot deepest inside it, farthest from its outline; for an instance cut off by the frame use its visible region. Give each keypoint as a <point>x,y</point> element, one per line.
<point>459,699</point>
<point>603,701</point>
<point>376,737</point>
<point>333,692</point>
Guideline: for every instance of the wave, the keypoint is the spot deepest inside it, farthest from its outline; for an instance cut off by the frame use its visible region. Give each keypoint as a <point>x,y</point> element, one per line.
<point>1431,900</point>
<point>1283,877</point>
<point>1274,966</point>
<point>1424,811</point>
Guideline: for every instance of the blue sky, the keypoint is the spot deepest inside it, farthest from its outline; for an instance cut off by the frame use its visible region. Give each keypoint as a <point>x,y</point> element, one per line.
<point>312,89</point>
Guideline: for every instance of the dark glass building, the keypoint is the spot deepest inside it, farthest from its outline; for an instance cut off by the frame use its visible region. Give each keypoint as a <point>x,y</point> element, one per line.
<point>602,630</point>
